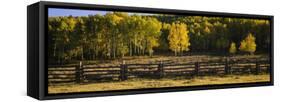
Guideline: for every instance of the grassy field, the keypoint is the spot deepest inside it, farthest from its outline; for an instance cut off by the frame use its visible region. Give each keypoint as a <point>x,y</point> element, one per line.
<point>170,59</point>
<point>158,83</point>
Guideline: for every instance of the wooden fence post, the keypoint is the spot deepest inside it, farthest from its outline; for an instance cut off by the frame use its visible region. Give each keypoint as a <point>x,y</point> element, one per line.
<point>196,70</point>
<point>79,73</point>
<point>257,67</point>
<point>123,71</point>
<point>227,68</point>
<point>161,70</point>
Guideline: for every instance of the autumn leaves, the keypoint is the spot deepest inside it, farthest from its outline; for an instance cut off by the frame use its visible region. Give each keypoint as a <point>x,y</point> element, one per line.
<point>246,45</point>
<point>119,34</point>
<point>178,38</point>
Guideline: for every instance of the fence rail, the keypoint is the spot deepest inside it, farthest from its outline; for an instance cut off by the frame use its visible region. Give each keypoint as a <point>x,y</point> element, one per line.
<point>90,73</point>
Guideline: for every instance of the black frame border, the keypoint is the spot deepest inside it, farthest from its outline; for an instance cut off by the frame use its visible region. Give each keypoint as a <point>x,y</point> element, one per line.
<point>43,30</point>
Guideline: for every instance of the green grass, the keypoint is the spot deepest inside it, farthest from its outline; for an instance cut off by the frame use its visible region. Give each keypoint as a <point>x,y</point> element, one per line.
<point>158,83</point>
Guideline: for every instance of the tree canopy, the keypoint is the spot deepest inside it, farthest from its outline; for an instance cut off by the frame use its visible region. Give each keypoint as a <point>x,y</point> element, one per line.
<point>248,44</point>
<point>178,38</point>
<point>232,48</point>
<point>119,34</point>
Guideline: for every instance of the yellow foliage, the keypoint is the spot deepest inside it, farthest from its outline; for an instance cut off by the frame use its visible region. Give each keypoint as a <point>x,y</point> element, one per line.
<point>243,45</point>
<point>178,37</point>
<point>232,48</point>
<point>249,44</point>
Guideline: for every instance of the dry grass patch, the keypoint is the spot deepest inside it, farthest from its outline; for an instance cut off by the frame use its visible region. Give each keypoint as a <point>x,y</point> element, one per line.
<point>158,83</point>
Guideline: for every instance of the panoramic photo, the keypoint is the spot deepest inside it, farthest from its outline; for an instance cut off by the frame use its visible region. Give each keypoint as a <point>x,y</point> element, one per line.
<point>96,50</point>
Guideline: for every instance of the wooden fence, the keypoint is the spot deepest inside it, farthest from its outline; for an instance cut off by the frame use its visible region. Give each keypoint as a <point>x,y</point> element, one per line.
<point>91,73</point>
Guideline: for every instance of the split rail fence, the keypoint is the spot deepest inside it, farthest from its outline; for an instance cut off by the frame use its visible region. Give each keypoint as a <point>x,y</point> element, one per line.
<point>92,73</point>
